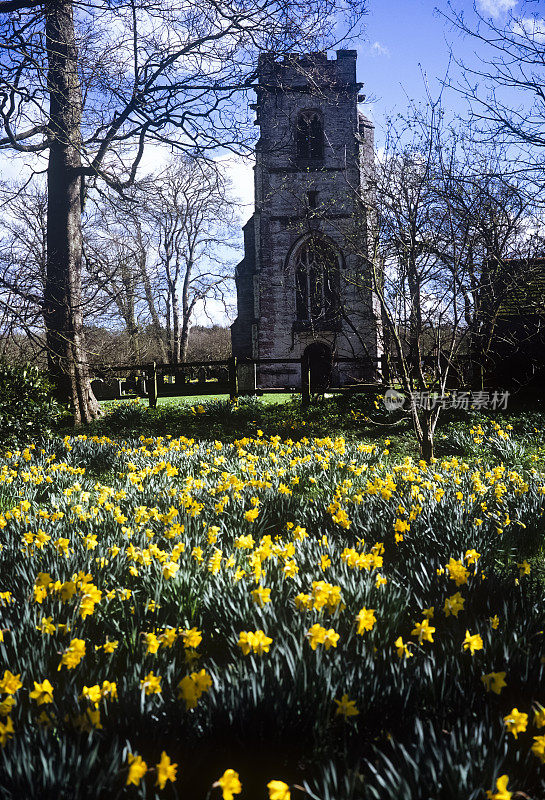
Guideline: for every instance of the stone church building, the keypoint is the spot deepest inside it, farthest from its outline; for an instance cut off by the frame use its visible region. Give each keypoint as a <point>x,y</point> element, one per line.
<point>302,287</point>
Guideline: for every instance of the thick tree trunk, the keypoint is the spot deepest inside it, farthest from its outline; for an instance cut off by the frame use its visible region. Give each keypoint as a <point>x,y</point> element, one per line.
<point>169,327</point>
<point>426,447</point>
<point>128,311</point>
<point>477,359</point>
<point>134,338</point>
<point>424,424</point>
<point>62,297</point>
<point>415,320</point>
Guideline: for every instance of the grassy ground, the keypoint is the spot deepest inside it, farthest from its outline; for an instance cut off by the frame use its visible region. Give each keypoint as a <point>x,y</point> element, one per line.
<point>195,399</point>
<point>357,418</point>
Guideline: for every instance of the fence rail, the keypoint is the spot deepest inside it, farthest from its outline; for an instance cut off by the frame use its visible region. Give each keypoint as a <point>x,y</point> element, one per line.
<point>230,376</point>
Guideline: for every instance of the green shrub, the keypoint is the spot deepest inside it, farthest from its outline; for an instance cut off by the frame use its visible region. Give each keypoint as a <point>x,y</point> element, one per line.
<point>27,409</point>
<point>127,414</point>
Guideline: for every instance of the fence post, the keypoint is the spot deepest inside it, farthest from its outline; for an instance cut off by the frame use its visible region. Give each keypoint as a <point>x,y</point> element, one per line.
<point>152,385</point>
<point>233,378</point>
<point>305,382</point>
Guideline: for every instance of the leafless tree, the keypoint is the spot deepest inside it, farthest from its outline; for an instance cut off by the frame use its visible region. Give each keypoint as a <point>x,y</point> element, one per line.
<point>163,252</point>
<point>504,82</point>
<point>497,216</point>
<point>86,85</point>
<point>116,253</point>
<point>23,273</point>
<point>193,222</point>
<point>439,233</point>
<point>22,270</point>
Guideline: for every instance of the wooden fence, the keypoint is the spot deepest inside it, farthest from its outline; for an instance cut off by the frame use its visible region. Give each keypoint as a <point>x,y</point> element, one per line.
<point>220,377</point>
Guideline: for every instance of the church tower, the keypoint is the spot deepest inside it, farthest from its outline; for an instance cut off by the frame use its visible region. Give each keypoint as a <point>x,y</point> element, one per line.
<point>302,289</point>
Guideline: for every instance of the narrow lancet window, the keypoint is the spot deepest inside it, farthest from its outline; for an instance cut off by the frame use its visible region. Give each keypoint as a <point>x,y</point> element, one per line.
<point>310,136</point>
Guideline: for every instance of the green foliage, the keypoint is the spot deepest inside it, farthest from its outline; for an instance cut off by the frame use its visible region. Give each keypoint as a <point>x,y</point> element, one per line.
<point>127,415</point>
<point>27,410</point>
<point>426,727</point>
<point>355,417</point>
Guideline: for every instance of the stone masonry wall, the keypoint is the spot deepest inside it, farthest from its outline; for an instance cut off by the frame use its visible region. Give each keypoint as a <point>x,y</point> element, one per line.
<point>266,291</point>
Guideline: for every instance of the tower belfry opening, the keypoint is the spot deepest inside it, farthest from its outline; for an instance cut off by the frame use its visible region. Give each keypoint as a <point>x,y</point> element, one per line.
<point>301,287</point>
<point>310,136</point>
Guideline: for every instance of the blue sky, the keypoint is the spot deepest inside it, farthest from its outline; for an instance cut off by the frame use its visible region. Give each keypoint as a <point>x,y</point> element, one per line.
<point>406,45</point>
<point>408,41</point>
<point>405,38</point>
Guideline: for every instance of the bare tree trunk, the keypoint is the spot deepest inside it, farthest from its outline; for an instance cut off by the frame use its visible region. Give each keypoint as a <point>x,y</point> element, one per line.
<point>187,308</point>
<point>175,327</point>
<point>415,319</point>
<point>169,325</point>
<point>155,321</point>
<point>135,341</point>
<point>67,360</point>
<point>424,424</point>
<point>187,312</point>
<point>128,311</point>
<point>184,339</point>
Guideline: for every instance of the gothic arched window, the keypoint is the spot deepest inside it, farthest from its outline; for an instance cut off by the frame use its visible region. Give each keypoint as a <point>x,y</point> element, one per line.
<point>310,136</point>
<point>316,279</point>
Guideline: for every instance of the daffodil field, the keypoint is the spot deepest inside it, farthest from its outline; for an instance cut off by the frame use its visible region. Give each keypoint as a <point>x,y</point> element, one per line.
<point>269,619</point>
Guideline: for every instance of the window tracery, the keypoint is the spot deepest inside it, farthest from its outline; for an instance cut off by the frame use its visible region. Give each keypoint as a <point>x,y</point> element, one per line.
<point>316,276</point>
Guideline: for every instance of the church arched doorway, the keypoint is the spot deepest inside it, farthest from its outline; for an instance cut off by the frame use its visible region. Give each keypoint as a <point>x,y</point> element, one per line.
<point>318,358</point>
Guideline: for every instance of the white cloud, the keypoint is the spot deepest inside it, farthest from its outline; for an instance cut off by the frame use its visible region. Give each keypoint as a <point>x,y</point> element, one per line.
<point>378,49</point>
<point>495,8</point>
<point>18,167</point>
<point>156,158</point>
<point>530,28</point>
<point>240,171</point>
<point>215,312</point>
